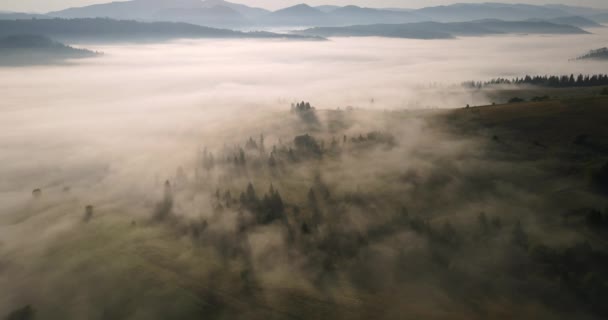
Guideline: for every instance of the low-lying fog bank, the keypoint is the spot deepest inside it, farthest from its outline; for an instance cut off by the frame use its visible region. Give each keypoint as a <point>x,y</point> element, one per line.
<point>140,97</point>
<point>376,213</point>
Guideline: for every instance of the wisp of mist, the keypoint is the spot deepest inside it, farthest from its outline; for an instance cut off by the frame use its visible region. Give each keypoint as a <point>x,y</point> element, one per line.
<point>117,125</point>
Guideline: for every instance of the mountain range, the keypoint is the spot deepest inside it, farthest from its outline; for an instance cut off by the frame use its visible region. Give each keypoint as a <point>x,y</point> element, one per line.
<point>17,50</point>
<point>103,29</point>
<point>220,13</point>
<point>439,30</point>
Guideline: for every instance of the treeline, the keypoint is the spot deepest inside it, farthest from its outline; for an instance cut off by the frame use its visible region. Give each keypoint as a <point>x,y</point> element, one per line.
<point>601,53</point>
<point>563,81</point>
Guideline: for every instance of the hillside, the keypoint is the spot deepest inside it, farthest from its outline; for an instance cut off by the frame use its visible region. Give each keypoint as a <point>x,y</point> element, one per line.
<point>576,21</point>
<point>340,214</point>
<point>121,30</point>
<point>476,11</point>
<point>436,30</point>
<point>301,14</point>
<point>19,50</point>
<point>598,54</point>
<point>20,15</point>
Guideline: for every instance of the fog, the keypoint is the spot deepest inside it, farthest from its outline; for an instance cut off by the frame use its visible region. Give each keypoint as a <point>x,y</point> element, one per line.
<point>134,96</point>
<point>108,131</point>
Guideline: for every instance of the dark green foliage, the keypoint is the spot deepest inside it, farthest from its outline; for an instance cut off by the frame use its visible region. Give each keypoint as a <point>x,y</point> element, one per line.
<point>306,145</point>
<point>598,54</point>
<point>164,208</point>
<point>579,269</point>
<point>25,313</point>
<point>519,236</point>
<point>251,196</point>
<point>581,139</point>
<point>272,207</point>
<point>208,160</point>
<point>268,209</point>
<point>305,229</point>
<point>376,137</point>
<point>88,213</point>
<point>251,144</point>
<point>546,81</point>
<point>272,162</point>
<point>539,98</point>
<point>306,112</point>
<point>516,100</point>
<point>341,218</point>
<point>596,219</point>
<point>600,178</point>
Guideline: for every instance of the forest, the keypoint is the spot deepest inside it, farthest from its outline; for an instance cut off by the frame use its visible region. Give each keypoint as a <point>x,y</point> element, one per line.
<point>335,214</point>
<point>563,81</point>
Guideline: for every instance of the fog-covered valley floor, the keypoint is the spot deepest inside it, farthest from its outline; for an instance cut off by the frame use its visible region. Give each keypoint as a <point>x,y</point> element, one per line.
<point>179,181</point>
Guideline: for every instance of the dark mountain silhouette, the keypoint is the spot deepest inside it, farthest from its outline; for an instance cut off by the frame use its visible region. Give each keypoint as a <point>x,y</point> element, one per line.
<point>327,8</point>
<point>99,29</point>
<point>19,15</point>
<point>220,13</point>
<point>212,16</point>
<point>502,11</point>
<point>224,14</point>
<point>357,15</point>
<point>301,14</point>
<point>600,17</point>
<point>426,30</point>
<point>20,50</point>
<point>305,15</point>
<point>245,11</point>
<point>135,9</point>
<point>577,10</point>
<point>208,13</point>
<point>576,21</point>
<point>437,30</point>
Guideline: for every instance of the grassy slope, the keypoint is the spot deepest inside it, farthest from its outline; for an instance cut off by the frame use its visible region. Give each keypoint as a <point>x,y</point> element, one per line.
<point>556,122</point>
<point>151,270</point>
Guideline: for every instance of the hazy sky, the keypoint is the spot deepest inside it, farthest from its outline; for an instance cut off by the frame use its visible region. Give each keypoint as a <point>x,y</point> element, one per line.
<point>48,5</point>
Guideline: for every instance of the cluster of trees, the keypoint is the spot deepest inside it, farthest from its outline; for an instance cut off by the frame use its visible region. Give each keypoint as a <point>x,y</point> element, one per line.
<point>164,208</point>
<point>534,99</point>
<point>267,209</point>
<point>563,81</point>
<point>601,53</point>
<point>25,313</point>
<point>305,111</point>
<point>316,219</point>
<point>376,137</point>
<point>301,107</point>
<point>253,154</point>
<point>307,145</point>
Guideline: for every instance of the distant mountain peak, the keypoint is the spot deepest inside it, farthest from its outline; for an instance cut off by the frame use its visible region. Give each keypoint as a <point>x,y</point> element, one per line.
<point>215,3</point>
<point>301,8</point>
<point>301,5</point>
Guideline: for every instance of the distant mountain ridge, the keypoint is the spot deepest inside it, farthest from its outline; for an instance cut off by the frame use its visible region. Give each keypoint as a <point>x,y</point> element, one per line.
<point>224,14</point>
<point>20,15</point>
<point>208,13</point>
<point>214,13</point>
<point>438,30</point>
<point>461,12</point>
<point>17,50</point>
<point>576,21</point>
<point>102,29</point>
